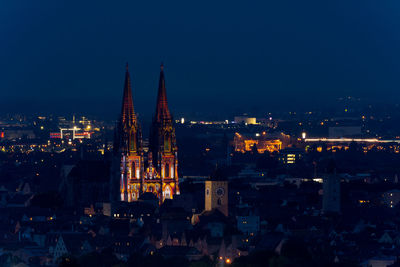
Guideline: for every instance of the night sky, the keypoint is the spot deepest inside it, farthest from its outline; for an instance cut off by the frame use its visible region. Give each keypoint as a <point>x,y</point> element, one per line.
<point>219,56</point>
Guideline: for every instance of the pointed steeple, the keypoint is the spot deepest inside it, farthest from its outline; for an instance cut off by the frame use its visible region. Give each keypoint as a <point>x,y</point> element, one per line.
<point>128,116</point>
<point>162,111</point>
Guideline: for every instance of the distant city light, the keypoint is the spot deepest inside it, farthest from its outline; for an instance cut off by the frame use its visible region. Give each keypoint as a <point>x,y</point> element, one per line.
<point>366,140</point>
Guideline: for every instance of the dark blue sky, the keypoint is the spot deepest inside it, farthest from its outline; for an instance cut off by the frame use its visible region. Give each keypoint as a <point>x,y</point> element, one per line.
<point>220,56</point>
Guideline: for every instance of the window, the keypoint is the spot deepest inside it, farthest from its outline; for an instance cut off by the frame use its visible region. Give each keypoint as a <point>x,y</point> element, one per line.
<point>168,192</point>
<point>166,170</point>
<point>133,141</point>
<point>167,144</point>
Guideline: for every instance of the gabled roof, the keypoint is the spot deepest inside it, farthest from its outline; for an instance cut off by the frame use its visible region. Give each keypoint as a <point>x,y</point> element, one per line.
<point>19,199</point>
<point>178,251</point>
<point>74,241</point>
<point>212,216</point>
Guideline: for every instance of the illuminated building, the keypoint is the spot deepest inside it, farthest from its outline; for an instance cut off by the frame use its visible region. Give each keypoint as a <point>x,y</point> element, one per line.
<point>71,133</point>
<point>129,146</point>
<point>245,120</point>
<point>261,141</point>
<point>216,194</point>
<point>163,148</point>
<point>290,155</point>
<point>366,144</point>
<point>159,173</point>
<point>14,134</point>
<point>349,140</point>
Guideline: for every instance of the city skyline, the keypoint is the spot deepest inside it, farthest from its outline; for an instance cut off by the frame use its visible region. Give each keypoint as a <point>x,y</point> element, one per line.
<point>213,133</point>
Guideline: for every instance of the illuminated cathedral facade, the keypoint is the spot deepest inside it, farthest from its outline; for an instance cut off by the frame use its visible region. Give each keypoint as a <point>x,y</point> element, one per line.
<point>157,170</point>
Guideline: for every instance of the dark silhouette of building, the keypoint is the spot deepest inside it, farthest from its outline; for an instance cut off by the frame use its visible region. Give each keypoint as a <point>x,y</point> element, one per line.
<point>331,190</point>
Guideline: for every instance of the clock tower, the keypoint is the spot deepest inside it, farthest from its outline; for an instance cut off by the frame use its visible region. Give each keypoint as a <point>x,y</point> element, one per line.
<point>216,194</point>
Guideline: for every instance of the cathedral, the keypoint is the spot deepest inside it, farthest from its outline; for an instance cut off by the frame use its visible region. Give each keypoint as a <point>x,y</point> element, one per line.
<point>140,172</point>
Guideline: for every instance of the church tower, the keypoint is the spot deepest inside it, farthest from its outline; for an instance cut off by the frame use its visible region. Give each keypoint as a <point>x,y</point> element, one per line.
<point>216,193</point>
<point>159,175</point>
<point>163,144</point>
<point>129,146</point>
<point>331,190</point>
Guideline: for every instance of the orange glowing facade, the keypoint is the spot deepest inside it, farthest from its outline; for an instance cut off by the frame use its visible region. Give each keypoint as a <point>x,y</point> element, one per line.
<point>163,146</point>
<point>156,172</point>
<point>262,143</point>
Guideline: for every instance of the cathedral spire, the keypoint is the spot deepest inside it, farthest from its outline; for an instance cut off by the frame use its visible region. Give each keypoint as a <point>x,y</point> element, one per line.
<point>162,111</point>
<point>128,116</point>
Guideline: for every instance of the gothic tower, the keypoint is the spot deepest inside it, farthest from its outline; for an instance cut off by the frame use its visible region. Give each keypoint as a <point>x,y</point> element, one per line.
<point>160,175</point>
<point>163,144</point>
<point>216,193</point>
<point>128,146</point>
<point>331,190</point>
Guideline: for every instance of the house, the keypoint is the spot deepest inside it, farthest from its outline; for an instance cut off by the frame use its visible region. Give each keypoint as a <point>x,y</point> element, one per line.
<point>191,253</point>
<point>385,238</point>
<point>4,195</point>
<point>124,246</point>
<point>86,183</point>
<point>391,198</point>
<point>72,244</point>
<point>249,224</point>
<point>379,261</point>
<point>215,222</point>
<point>19,201</point>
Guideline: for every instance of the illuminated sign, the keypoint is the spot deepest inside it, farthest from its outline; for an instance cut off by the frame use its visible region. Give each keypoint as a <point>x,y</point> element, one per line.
<point>55,135</point>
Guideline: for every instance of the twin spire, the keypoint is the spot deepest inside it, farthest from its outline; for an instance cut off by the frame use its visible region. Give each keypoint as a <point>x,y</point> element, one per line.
<point>128,116</point>
<point>162,179</point>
